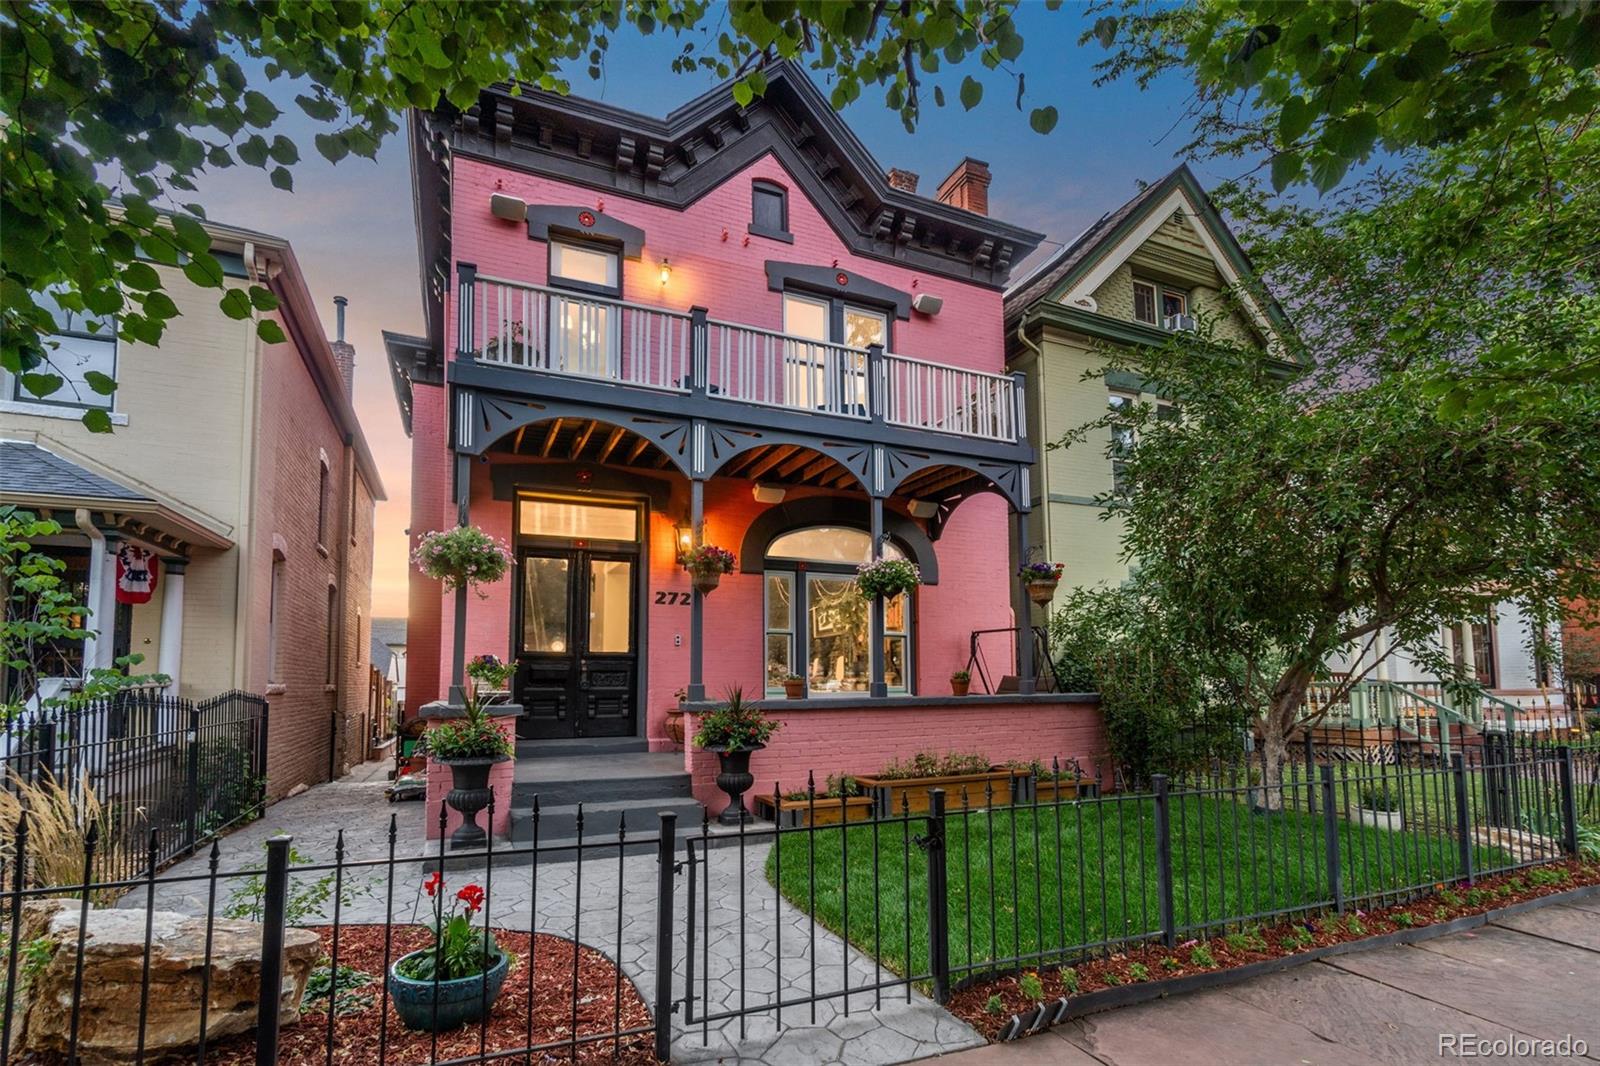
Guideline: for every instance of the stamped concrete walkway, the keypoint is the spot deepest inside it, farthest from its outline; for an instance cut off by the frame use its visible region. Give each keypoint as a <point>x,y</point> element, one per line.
<point>1532,976</point>
<point>775,937</point>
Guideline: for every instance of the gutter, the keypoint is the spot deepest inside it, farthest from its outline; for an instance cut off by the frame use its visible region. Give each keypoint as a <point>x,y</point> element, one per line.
<point>97,577</point>
<point>244,579</point>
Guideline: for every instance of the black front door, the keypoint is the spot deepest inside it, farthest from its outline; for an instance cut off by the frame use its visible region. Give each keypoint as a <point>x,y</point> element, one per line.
<point>577,658</point>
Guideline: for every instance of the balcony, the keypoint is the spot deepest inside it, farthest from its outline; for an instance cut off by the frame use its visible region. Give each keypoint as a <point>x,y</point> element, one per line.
<point>588,338</point>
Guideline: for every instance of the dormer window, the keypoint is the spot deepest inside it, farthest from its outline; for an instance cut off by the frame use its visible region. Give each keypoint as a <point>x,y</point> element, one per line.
<point>769,211</point>
<point>1158,304</point>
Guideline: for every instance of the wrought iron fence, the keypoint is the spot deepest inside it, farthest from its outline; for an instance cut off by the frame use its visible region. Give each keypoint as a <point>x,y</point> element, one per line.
<point>151,762</point>
<point>628,941</point>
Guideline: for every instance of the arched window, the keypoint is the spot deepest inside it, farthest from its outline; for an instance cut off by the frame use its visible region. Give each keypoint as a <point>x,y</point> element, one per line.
<point>817,624</point>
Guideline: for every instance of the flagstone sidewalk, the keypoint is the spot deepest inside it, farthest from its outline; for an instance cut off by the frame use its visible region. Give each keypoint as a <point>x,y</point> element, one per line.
<point>736,962</point>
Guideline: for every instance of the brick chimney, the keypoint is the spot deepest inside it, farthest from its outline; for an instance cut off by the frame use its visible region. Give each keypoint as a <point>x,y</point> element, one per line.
<point>903,180</point>
<point>967,187</point>
<point>344,354</point>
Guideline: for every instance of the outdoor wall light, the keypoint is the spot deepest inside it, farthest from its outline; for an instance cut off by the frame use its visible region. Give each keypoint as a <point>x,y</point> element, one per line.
<point>684,536</point>
<point>768,493</point>
<point>666,270</point>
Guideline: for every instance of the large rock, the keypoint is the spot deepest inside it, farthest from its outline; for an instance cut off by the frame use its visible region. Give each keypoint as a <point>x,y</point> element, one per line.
<point>113,961</point>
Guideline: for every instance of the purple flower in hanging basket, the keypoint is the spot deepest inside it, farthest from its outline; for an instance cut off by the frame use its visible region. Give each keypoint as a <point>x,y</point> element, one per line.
<point>1041,571</point>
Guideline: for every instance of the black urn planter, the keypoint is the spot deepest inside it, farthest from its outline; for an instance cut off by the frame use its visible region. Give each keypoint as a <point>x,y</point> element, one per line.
<point>470,793</point>
<point>735,779</point>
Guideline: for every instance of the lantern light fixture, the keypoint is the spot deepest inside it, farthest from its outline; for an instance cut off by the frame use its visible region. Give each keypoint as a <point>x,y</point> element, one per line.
<point>666,270</point>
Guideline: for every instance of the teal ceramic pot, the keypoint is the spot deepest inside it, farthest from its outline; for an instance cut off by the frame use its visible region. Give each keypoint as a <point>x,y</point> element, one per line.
<point>461,1001</point>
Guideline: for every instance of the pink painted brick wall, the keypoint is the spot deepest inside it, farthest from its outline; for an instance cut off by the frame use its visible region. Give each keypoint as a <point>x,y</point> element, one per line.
<point>715,263</point>
<point>856,741</point>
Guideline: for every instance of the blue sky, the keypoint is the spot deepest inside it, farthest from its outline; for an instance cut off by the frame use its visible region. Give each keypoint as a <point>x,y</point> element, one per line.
<point>352,224</point>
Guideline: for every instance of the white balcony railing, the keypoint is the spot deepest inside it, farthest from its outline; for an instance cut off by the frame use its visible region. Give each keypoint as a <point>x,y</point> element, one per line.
<point>554,331</point>
<point>950,399</point>
<point>761,366</point>
<point>538,328</point>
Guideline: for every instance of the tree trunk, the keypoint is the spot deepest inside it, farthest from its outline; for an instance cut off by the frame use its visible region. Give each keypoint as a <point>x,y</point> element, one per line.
<point>1288,697</point>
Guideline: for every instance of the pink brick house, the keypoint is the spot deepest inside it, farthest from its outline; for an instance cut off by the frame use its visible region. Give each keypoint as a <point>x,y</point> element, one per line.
<point>728,326</point>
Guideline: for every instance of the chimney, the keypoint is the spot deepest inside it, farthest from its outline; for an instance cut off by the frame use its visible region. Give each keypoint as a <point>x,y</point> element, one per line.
<point>344,354</point>
<point>967,187</point>
<point>903,180</point>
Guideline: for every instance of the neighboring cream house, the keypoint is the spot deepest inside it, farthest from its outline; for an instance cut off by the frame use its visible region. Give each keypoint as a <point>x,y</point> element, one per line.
<point>240,469</point>
<point>1165,260</point>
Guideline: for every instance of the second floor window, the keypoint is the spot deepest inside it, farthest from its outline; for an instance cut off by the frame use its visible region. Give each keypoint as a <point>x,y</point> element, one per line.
<point>588,267</point>
<point>85,353</point>
<point>769,211</point>
<point>1154,304</point>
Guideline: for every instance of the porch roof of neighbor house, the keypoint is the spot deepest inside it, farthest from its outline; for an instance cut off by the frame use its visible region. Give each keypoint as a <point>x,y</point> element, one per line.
<point>29,470</point>
<point>34,476</point>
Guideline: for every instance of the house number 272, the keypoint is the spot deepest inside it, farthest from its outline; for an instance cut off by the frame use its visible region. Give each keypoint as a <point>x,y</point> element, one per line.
<point>681,599</point>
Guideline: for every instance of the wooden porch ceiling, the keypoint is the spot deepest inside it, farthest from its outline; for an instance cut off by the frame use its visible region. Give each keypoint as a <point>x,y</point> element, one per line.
<point>593,441</point>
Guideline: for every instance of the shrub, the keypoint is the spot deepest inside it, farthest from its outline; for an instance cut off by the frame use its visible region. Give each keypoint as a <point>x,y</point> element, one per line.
<point>1138,971</point>
<point>736,724</point>
<point>1161,712</point>
<point>1380,798</point>
<point>1069,980</point>
<point>994,1005</point>
<point>931,764</point>
<point>1031,986</point>
<point>1201,956</point>
<point>838,786</point>
<point>472,736</point>
<point>1170,964</point>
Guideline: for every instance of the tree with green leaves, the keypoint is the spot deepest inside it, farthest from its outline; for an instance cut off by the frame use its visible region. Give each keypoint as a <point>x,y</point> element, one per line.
<point>1483,117</point>
<point>110,111</point>
<point>1285,521</point>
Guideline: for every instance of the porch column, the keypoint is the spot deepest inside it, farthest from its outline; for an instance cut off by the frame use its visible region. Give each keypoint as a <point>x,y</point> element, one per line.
<point>458,653</point>
<point>98,560</point>
<point>875,625</point>
<point>105,610</point>
<point>1026,673</point>
<point>697,521</point>
<point>169,659</point>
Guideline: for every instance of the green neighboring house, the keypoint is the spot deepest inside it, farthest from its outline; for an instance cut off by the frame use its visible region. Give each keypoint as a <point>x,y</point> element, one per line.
<point>1160,262</point>
<point>1164,261</point>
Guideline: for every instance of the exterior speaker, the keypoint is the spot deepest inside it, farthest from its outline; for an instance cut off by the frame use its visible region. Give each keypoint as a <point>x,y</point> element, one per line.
<point>769,493</point>
<point>927,303</point>
<point>508,207</point>
<point>922,508</point>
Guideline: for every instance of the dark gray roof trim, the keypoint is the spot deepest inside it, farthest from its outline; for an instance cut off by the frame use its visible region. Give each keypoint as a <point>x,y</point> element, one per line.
<point>29,470</point>
<point>676,160</point>
<point>782,276</point>
<point>565,220</point>
<point>412,360</point>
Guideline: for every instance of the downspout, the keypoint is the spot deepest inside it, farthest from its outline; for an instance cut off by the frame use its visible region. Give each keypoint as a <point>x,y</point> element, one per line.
<point>97,578</point>
<point>1038,421</point>
<point>346,527</point>
<point>244,585</point>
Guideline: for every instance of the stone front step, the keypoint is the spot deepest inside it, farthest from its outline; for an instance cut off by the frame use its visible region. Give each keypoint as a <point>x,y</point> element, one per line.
<point>559,824</point>
<point>564,749</point>
<point>636,777</point>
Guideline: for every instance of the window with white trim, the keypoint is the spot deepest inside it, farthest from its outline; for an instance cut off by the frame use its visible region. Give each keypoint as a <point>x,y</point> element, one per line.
<point>82,352</point>
<point>275,608</point>
<point>1154,304</point>
<point>1122,439</point>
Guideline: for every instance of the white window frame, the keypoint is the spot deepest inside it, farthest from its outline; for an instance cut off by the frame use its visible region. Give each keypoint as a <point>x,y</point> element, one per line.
<point>83,397</point>
<point>1158,292</point>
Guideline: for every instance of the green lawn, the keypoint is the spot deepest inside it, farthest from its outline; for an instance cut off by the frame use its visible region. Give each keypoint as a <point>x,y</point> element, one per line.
<point>1024,881</point>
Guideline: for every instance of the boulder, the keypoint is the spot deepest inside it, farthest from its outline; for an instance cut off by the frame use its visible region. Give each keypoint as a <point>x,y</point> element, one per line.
<point>113,962</point>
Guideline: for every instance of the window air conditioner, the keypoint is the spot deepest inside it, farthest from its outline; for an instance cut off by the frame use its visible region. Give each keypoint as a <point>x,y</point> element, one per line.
<point>1179,322</point>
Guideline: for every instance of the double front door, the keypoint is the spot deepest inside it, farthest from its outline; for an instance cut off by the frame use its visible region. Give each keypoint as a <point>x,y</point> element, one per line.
<point>577,663</point>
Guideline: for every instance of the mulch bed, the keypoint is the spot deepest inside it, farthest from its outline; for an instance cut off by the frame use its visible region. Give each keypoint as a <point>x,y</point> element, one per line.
<point>1153,963</point>
<point>356,1031</point>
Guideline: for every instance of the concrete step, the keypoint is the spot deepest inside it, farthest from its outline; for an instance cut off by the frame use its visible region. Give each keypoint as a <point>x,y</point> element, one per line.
<point>559,823</point>
<point>560,749</point>
<point>633,776</point>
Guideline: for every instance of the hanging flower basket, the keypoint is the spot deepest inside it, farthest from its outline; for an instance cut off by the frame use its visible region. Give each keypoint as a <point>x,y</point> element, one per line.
<point>1041,580</point>
<point>887,578</point>
<point>462,557</point>
<point>706,565</point>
